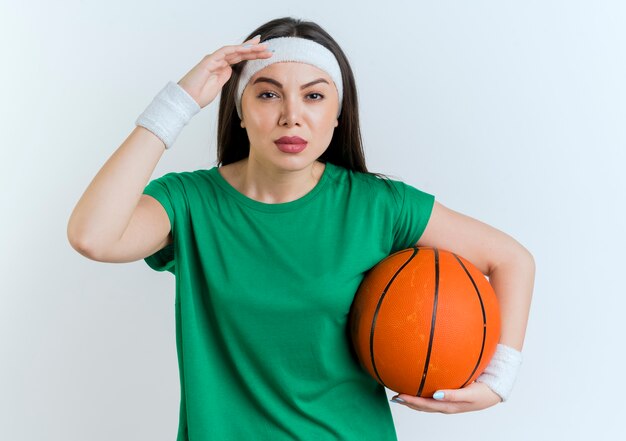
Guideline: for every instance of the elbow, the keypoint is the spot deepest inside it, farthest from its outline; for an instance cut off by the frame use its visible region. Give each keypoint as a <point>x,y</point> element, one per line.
<point>516,256</point>
<point>527,259</point>
<point>81,243</point>
<point>523,260</point>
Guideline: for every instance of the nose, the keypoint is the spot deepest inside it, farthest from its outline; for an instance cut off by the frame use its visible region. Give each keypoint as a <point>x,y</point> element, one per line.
<point>291,111</point>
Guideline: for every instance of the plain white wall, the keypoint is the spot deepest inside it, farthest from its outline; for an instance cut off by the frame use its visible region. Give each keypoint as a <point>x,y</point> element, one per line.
<point>510,112</point>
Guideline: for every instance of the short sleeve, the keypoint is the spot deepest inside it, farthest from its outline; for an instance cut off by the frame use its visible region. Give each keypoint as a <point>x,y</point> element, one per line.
<point>415,209</point>
<point>163,190</point>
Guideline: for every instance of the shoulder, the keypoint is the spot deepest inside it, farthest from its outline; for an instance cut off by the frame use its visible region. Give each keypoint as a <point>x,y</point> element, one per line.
<point>182,178</point>
<point>179,187</point>
<point>373,185</point>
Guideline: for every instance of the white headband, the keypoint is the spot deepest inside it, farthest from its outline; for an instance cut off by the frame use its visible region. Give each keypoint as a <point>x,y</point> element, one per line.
<point>296,49</point>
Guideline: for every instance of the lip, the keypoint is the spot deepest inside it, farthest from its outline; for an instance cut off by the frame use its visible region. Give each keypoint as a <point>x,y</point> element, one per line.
<point>290,140</point>
<point>290,144</point>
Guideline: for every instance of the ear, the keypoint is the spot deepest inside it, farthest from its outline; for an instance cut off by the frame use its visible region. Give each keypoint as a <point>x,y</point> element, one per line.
<point>242,124</point>
<point>337,122</point>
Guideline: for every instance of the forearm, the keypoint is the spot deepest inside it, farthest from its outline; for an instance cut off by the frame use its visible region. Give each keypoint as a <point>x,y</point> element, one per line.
<point>513,281</point>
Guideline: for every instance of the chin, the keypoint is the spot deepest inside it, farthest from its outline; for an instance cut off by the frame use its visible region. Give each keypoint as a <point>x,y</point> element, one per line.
<point>295,161</point>
<point>295,164</point>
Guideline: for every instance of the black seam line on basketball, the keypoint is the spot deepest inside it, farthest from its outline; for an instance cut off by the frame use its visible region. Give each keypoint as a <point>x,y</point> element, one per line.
<point>482,307</point>
<point>432,324</point>
<point>378,306</point>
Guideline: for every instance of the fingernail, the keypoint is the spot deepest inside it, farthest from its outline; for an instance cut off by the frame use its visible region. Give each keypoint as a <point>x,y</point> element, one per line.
<point>438,395</point>
<point>398,400</point>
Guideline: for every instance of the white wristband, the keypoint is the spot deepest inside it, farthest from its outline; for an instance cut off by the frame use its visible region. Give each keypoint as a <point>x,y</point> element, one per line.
<point>502,370</point>
<point>170,110</point>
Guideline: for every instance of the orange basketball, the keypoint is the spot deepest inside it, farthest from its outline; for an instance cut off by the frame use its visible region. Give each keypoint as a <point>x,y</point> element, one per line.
<point>424,319</point>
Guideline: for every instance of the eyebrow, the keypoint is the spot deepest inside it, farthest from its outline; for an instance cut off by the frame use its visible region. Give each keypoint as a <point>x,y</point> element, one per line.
<point>276,83</point>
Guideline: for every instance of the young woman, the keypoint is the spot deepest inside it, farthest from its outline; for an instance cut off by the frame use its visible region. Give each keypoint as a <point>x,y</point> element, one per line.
<point>269,248</point>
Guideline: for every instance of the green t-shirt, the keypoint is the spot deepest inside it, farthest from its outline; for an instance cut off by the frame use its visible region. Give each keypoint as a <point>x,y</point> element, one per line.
<point>263,293</point>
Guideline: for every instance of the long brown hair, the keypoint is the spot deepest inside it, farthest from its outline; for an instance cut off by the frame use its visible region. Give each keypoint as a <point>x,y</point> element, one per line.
<point>345,148</point>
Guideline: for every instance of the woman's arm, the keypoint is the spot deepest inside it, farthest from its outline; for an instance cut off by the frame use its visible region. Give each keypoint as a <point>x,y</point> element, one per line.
<point>509,266</point>
<point>113,221</point>
<point>511,271</point>
<point>105,209</point>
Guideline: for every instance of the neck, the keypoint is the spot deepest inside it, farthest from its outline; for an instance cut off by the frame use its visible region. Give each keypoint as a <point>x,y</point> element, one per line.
<point>274,186</point>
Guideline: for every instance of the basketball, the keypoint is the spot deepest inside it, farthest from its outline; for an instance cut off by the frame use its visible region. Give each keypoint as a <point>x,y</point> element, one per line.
<point>424,319</point>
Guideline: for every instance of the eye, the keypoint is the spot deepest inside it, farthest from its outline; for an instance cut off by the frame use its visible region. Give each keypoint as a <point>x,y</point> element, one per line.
<point>321,97</point>
<point>264,95</point>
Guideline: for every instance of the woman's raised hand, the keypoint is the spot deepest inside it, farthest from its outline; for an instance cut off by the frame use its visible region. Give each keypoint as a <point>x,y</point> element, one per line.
<point>206,79</point>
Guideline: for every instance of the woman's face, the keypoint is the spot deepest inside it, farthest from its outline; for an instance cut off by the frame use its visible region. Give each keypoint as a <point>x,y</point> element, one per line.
<point>289,99</point>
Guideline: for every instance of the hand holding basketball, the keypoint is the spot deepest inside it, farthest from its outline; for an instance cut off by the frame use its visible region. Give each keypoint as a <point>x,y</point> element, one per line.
<point>475,396</point>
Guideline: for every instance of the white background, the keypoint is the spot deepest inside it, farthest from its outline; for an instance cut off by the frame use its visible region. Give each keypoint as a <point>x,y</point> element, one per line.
<point>512,112</point>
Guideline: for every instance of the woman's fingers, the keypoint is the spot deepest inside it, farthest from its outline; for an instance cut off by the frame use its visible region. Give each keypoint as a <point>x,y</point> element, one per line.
<point>237,57</point>
<point>427,404</point>
<point>205,80</point>
<point>475,396</point>
<point>235,54</point>
<point>225,57</point>
<point>250,46</point>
